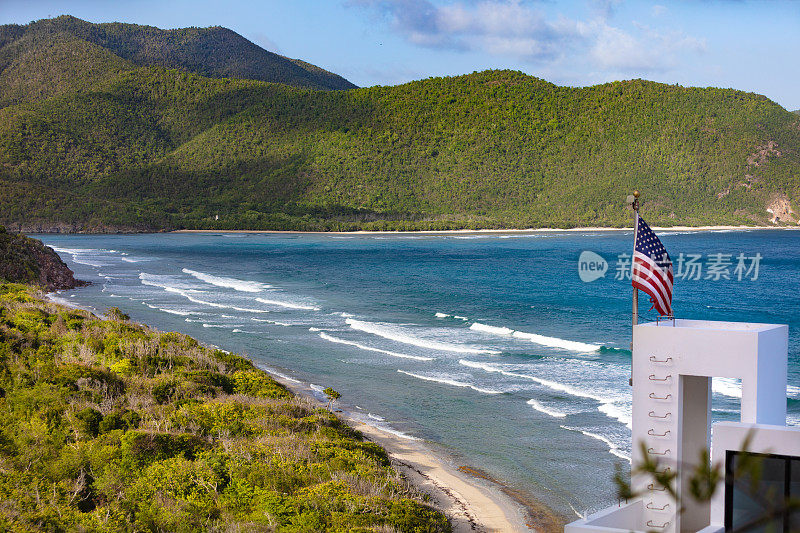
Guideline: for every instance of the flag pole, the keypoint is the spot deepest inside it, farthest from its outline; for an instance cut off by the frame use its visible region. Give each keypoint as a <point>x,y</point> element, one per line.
<point>635,308</point>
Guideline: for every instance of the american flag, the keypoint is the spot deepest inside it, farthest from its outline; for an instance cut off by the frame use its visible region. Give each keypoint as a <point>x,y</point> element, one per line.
<point>652,268</point>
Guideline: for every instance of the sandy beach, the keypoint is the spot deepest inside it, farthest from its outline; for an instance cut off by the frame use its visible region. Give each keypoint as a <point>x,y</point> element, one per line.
<point>501,231</point>
<point>472,500</point>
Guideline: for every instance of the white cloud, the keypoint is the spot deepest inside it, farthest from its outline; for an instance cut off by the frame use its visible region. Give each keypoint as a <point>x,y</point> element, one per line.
<point>657,10</point>
<point>521,31</point>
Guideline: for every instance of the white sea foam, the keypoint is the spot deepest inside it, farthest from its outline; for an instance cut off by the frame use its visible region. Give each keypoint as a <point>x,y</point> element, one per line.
<point>547,383</point>
<point>87,256</point>
<point>229,283</point>
<point>441,315</point>
<point>288,305</point>
<point>612,448</point>
<point>165,282</point>
<point>608,406</point>
<point>337,340</point>
<point>282,376</point>
<point>542,409</point>
<point>494,330</point>
<point>614,410</point>
<point>727,387</point>
<point>453,382</point>
<point>214,326</point>
<point>398,335</point>
<point>460,317</point>
<point>314,329</point>
<point>191,298</point>
<point>555,342</point>
<point>552,342</point>
<point>74,250</point>
<point>733,388</point>
<point>379,424</point>
<point>170,311</point>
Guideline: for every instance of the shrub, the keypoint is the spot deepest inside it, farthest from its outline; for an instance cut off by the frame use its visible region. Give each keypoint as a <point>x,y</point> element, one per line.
<point>213,379</point>
<point>257,383</point>
<point>232,362</point>
<point>114,313</point>
<point>125,419</point>
<point>146,448</point>
<point>89,421</point>
<point>164,392</point>
<point>123,366</point>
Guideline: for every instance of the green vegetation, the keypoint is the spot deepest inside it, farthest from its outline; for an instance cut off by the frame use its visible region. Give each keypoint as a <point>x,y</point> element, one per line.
<point>26,260</point>
<point>109,426</point>
<point>54,56</point>
<point>332,396</point>
<point>155,149</point>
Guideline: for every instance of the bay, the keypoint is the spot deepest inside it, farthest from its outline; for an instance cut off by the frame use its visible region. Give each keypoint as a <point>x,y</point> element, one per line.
<point>488,345</point>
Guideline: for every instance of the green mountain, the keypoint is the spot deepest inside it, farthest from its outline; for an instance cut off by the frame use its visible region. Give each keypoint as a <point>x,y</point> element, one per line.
<point>57,56</point>
<point>131,147</point>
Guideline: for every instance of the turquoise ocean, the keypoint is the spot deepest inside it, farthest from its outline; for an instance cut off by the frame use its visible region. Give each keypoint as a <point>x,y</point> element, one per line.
<point>487,345</point>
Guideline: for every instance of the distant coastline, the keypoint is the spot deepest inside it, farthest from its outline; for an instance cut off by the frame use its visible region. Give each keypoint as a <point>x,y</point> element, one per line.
<point>492,231</point>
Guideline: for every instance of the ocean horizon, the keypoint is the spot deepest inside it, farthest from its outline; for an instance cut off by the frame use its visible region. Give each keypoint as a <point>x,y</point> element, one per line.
<point>490,346</point>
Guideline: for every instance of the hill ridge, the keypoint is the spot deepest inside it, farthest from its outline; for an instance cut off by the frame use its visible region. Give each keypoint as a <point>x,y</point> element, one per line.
<point>151,148</point>
<point>215,51</point>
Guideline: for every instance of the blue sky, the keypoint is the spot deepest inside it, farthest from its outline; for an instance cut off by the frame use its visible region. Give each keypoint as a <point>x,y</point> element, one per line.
<point>748,45</point>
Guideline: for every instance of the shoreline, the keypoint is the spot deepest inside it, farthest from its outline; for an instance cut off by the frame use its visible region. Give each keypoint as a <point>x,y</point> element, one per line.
<point>473,500</point>
<point>491,231</point>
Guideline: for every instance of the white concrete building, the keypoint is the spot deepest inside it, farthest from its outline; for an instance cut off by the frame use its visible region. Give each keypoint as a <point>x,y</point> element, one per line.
<point>673,363</point>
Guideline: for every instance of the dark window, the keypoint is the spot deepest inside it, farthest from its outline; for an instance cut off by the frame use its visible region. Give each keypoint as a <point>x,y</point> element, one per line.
<point>757,489</point>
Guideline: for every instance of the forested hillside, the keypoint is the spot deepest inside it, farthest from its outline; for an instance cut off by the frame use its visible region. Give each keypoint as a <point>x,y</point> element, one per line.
<point>148,148</point>
<point>64,54</point>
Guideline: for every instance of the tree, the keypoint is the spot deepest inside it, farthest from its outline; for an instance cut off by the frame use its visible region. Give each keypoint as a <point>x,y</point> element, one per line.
<point>332,396</point>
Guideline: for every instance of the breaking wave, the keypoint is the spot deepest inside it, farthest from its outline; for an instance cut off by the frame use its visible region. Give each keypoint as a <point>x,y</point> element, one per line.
<point>229,283</point>
<point>552,342</point>
<point>337,340</point>
<point>542,409</point>
<point>608,406</point>
<point>612,448</point>
<point>288,305</point>
<point>453,382</point>
<point>397,335</point>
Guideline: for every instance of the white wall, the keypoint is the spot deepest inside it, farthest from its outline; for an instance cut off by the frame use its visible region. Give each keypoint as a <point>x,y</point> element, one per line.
<point>672,361</point>
<point>780,440</point>
<point>672,401</point>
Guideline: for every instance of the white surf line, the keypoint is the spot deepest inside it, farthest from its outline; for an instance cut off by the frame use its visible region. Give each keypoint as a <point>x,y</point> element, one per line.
<point>452,382</point>
<point>213,304</point>
<point>542,409</point>
<point>552,342</point>
<point>286,304</point>
<point>394,335</point>
<point>229,283</point>
<point>607,405</point>
<point>612,448</point>
<point>337,340</point>
<point>274,372</point>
